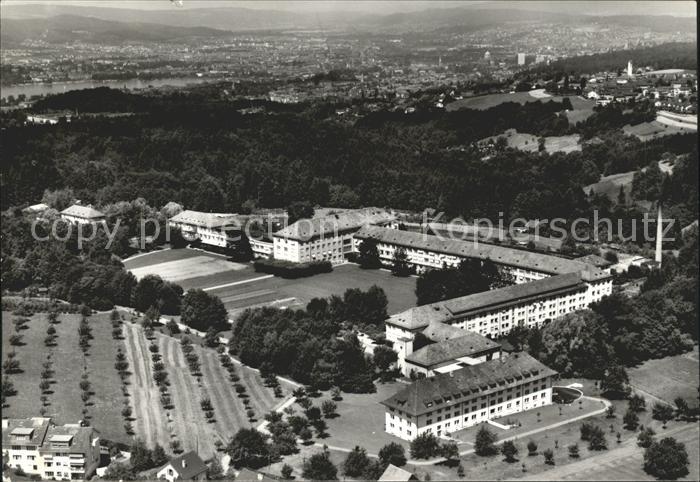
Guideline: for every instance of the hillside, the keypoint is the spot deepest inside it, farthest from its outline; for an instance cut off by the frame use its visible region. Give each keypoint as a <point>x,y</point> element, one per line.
<point>70,28</point>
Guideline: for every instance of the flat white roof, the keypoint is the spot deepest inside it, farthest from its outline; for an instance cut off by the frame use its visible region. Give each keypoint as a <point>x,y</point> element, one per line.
<point>61,438</point>
<point>22,431</point>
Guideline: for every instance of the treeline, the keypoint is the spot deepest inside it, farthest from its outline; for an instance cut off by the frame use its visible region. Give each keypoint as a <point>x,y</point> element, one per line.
<point>674,55</point>
<point>622,331</point>
<point>307,344</point>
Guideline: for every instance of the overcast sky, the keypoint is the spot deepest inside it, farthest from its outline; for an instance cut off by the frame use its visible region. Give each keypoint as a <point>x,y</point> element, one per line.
<point>667,7</point>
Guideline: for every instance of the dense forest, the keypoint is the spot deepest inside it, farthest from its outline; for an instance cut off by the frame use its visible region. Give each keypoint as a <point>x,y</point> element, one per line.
<point>207,155</point>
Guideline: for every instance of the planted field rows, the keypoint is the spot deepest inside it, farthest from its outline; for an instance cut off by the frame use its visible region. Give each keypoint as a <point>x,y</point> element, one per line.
<point>151,421</point>
<point>64,397</point>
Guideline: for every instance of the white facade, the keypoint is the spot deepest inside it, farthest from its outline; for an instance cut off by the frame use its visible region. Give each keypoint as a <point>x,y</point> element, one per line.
<point>328,248</point>
<point>51,452</point>
<point>464,412</point>
<point>425,259</point>
<point>261,249</point>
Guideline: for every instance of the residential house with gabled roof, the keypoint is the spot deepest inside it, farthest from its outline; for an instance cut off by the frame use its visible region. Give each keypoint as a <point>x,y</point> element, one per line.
<point>188,466</point>
<point>79,214</point>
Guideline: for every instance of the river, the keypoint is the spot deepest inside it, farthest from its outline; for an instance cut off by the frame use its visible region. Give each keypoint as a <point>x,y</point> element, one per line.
<point>59,87</point>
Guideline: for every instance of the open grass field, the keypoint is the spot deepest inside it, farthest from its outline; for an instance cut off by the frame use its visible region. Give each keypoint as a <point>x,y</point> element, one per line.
<point>65,404</point>
<point>400,292</point>
<point>562,143</point>
<point>484,102</point>
<point>530,143</point>
<point>668,378</point>
<point>647,131</point>
<point>240,287</point>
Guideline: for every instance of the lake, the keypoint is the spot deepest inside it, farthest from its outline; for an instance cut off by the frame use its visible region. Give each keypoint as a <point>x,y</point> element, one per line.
<point>60,87</point>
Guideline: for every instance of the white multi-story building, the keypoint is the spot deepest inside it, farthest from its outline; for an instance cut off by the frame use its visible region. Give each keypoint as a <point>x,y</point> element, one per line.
<point>494,313</point>
<point>220,230</point>
<point>78,214</point>
<point>38,447</point>
<point>425,251</point>
<point>468,348</point>
<point>327,238</point>
<point>474,394</point>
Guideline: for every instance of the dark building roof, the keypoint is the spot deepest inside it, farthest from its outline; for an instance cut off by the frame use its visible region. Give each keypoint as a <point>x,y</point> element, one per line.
<point>517,258</point>
<point>445,311</point>
<point>188,465</point>
<point>595,260</point>
<point>468,344</point>
<point>340,222</point>
<point>446,389</point>
<point>439,332</point>
<point>35,428</point>
<point>79,439</point>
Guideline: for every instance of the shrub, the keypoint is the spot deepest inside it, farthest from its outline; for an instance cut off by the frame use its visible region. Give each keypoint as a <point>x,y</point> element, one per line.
<point>287,269</point>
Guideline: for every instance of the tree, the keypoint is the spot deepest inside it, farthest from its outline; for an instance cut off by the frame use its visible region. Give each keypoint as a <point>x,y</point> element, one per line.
<point>682,409</point>
<point>450,451</point>
<point>211,338</point>
<point>305,434</point>
<point>666,459</point>
<point>373,471</point>
<point>203,311</point>
<point>399,263</point>
<point>615,383</point>
<point>597,440</point>
<point>172,327</point>
<point>159,456</point>
<point>573,451</point>
<point>119,471</point>
<point>645,437</point>
<point>248,448</point>
<point>485,442</point>
<point>630,420</point>
<point>610,411</point>
<point>286,472</point>
<point>531,448</point>
<point>636,403</point>
<point>329,408</point>
<point>215,471</point>
<point>460,471</point>
<point>299,210</point>
<point>662,412</point>
<point>393,453</point>
<point>355,462</point>
<point>548,457</point>
<point>319,467</point>
<point>368,255</point>
<point>425,446</point>
<point>141,457</point>
<point>384,357</point>
<point>509,451</point>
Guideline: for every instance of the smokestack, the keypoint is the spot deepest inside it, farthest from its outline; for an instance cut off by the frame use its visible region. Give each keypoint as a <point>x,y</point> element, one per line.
<point>659,236</point>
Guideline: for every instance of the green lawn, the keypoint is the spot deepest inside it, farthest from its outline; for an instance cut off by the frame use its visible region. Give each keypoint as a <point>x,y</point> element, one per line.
<point>669,377</point>
<point>400,292</point>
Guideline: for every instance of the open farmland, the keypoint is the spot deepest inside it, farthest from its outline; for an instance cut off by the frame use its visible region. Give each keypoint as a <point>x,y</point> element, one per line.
<point>185,422</point>
<point>530,143</point>
<point>240,287</point>
<point>68,362</point>
<point>484,102</point>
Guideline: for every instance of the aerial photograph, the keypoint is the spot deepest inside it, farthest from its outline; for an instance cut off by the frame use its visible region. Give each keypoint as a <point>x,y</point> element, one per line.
<point>376,240</point>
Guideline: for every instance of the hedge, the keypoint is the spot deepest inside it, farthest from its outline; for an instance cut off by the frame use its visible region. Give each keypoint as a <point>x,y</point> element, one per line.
<point>287,269</point>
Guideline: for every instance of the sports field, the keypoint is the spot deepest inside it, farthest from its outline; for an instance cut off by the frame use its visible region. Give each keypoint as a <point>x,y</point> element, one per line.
<point>240,287</point>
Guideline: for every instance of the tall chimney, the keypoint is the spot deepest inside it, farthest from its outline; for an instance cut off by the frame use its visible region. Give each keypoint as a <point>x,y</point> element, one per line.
<point>659,236</point>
